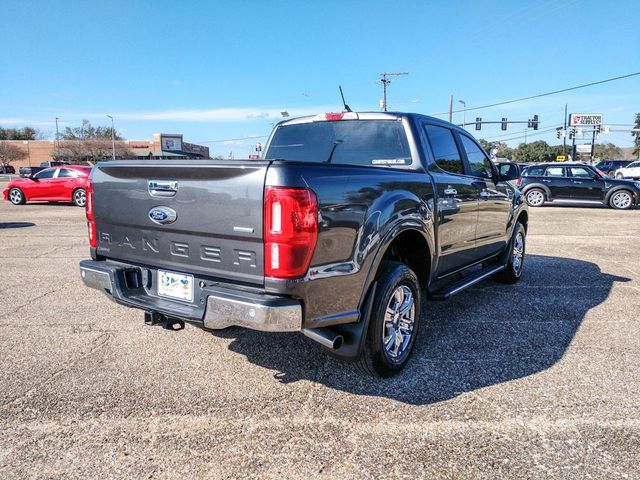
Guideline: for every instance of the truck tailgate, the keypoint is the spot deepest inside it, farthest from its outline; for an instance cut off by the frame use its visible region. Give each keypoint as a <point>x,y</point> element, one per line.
<point>218,207</point>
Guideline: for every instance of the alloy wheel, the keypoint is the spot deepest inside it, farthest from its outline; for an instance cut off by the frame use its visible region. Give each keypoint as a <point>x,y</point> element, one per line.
<point>398,323</point>
<point>621,200</point>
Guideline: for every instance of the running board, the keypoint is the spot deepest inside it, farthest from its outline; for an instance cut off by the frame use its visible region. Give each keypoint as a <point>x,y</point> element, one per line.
<point>465,283</point>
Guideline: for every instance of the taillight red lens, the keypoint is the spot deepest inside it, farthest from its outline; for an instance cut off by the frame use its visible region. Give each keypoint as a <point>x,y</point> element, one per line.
<point>91,222</point>
<point>290,231</point>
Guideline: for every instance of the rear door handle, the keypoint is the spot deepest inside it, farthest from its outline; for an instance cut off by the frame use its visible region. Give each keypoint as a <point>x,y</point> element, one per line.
<point>575,181</point>
<point>450,191</point>
<point>546,181</point>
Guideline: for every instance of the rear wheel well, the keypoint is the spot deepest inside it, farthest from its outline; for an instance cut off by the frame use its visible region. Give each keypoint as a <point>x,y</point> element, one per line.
<point>411,248</point>
<point>523,218</point>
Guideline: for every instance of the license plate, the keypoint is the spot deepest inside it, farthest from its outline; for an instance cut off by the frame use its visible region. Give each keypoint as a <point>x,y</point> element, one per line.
<point>175,285</point>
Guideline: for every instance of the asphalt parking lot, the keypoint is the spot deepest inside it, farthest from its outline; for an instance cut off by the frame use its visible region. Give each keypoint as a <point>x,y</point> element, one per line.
<point>537,380</point>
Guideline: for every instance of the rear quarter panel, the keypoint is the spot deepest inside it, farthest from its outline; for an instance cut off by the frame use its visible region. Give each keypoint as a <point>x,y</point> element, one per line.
<point>360,208</point>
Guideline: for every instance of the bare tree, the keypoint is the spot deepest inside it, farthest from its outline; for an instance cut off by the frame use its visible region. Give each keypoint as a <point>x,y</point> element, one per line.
<point>10,153</point>
<point>91,151</point>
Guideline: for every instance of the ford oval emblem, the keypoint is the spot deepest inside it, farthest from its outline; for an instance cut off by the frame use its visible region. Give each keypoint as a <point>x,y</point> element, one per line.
<point>162,215</point>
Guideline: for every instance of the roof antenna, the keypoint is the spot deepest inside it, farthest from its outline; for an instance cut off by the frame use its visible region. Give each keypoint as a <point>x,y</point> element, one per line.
<point>346,107</point>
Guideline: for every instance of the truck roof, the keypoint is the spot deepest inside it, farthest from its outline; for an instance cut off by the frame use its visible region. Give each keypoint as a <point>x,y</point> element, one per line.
<point>334,116</point>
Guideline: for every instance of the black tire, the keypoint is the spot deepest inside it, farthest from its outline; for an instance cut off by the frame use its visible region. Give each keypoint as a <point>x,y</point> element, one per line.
<point>515,264</point>
<point>79,197</point>
<point>621,200</point>
<point>535,197</point>
<point>394,279</point>
<point>16,196</point>
<point>619,176</point>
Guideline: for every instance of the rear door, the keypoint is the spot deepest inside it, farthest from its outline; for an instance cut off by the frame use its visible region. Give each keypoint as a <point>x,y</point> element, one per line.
<point>555,177</point>
<point>201,218</point>
<point>457,200</point>
<point>494,205</point>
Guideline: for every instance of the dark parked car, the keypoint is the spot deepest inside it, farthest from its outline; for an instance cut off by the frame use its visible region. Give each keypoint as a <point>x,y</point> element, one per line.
<point>548,182</point>
<point>6,168</point>
<point>335,234</point>
<point>29,171</point>
<point>610,166</point>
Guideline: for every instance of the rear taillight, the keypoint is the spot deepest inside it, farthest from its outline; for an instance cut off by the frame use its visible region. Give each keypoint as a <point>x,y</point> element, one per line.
<point>290,231</point>
<point>91,222</point>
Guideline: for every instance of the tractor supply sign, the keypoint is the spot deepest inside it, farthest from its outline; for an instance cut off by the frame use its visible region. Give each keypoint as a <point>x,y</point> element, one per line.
<point>585,119</point>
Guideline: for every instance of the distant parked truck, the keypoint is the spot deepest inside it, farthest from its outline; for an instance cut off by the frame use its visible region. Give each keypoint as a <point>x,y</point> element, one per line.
<point>335,234</point>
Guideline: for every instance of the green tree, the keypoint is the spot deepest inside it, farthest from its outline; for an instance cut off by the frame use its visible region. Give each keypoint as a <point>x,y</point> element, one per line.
<point>606,151</point>
<point>538,151</point>
<point>25,133</point>
<point>86,131</point>
<point>636,140</point>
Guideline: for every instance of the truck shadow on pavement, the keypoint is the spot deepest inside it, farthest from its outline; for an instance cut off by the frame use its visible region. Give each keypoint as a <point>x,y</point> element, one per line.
<point>16,225</point>
<point>487,335</point>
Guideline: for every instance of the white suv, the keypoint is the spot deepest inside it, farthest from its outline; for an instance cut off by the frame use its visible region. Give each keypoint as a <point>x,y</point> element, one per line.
<point>630,171</point>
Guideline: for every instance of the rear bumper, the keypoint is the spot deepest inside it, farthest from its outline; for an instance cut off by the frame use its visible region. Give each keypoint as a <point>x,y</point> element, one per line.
<point>214,307</point>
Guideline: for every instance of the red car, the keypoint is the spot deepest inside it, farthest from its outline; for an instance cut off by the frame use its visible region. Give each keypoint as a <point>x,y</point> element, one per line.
<point>55,184</point>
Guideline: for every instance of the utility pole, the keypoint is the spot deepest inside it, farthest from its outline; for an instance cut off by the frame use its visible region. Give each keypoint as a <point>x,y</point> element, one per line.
<point>385,81</point>
<point>464,112</point>
<point>564,135</point>
<point>113,139</point>
<point>57,135</point>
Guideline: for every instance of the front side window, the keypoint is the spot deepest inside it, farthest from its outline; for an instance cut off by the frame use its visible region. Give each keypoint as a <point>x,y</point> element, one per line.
<point>479,164</point>
<point>554,172</point>
<point>48,173</point>
<point>445,150</point>
<point>534,172</point>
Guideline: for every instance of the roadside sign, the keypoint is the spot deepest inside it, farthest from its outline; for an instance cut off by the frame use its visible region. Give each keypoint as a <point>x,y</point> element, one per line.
<point>585,119</point>
<point>561,158</point>
<point>584,148</point>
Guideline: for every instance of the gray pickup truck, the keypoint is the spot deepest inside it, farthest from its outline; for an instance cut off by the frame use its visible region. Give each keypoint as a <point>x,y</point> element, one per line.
<point>336,233</point>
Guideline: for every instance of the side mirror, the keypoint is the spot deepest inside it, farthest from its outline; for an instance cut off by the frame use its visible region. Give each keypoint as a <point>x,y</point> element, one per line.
<point>508,171</point>
<point>597,177</point>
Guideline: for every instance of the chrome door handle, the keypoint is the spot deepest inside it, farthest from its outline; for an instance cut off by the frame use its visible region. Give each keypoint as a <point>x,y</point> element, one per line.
<point>547,181</point>
<point>450,191</point>
<point>576,181</point>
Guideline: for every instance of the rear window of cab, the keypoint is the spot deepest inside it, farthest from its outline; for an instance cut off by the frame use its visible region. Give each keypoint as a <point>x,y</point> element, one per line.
<point>534,171</point>
<point>348,142</point>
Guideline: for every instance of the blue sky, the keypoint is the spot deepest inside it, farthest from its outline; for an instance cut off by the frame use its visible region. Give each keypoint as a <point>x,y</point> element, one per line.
<point>224,70</point>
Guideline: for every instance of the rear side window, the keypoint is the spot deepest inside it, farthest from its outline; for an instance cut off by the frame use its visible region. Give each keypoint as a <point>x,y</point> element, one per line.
<point>534,172</point>
<point>445,150</point>
<point>65,173</point>
<point>581,172</point>
<point>554,172</point>
<point>351,142</point>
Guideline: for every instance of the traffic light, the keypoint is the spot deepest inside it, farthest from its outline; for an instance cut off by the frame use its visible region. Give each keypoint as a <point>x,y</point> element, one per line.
<point>572,132</point>
<point>478,123</point>
<point>504,124</point>
<point>559,132</point>
<point>535,122</point>
<point>598,127</point>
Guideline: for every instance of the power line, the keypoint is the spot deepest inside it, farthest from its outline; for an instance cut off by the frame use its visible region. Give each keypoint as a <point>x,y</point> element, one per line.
<point>543,94</point>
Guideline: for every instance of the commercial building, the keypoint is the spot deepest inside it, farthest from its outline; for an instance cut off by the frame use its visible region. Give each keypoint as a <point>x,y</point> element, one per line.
<point>161,146</point>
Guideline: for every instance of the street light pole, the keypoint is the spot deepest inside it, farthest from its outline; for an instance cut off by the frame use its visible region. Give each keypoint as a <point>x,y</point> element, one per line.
<point>57,135</point>
<point>113,139</point>
<point>464,112</point>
